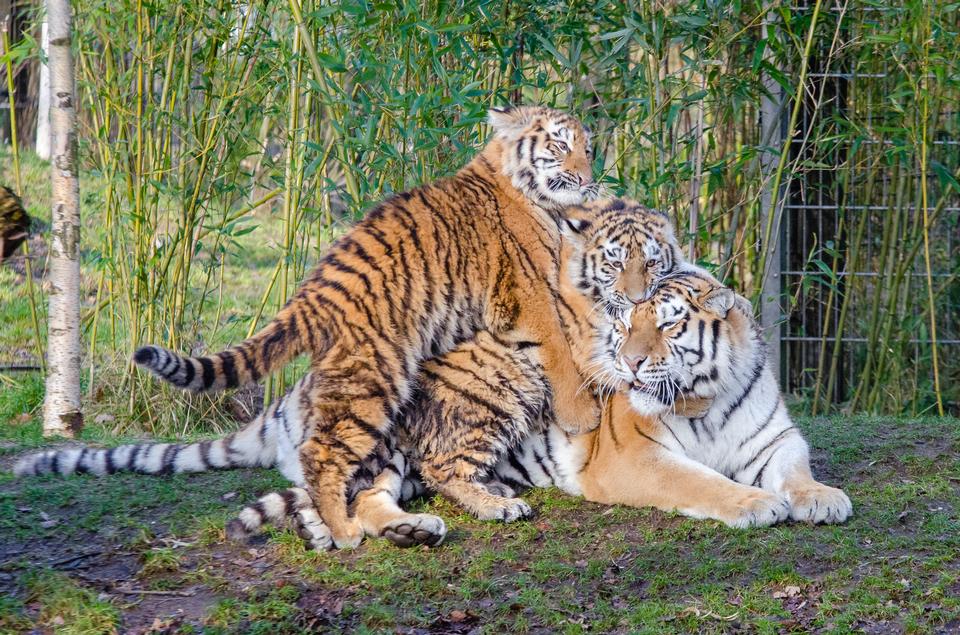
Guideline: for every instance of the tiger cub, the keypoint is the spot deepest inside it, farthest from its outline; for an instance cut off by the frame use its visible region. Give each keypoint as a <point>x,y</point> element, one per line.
<point>424,270</point>
<point>473,405</point>
<point>465,396</point>
<point>14,223</point>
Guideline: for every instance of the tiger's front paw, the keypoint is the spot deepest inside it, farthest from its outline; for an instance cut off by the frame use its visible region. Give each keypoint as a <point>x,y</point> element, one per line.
<point>578,413</point>
<point>757,508</point>
<point>819,503</point>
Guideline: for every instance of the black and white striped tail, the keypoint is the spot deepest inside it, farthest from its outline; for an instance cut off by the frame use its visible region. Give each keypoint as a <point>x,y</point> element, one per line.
<point>249,447</point>
<point>271,508</point>
<point>276,508</point>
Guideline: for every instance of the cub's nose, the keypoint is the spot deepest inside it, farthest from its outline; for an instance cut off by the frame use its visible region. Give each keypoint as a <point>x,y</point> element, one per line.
<point>637,297</point>
<point>634,361</point>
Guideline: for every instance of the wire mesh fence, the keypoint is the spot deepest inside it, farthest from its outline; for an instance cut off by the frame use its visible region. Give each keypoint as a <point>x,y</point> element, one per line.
<point>861,280</point>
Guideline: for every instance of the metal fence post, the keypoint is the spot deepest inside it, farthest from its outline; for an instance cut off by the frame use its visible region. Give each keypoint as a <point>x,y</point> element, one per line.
<point>771,136</point>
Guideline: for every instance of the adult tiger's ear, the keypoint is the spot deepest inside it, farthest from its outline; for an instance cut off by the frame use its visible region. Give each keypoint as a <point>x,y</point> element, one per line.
<point>509,122</point>
<point>718,300</point>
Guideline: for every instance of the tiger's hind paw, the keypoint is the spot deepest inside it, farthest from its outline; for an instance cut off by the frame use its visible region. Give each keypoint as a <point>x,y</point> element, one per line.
<point>504,509</point>
<point>415,529</point>
<point>312,530</point>
<point>498,488</point>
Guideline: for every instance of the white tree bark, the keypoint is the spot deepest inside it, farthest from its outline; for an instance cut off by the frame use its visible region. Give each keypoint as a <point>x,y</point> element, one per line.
<point>43,105</point>
<point>61,407</point>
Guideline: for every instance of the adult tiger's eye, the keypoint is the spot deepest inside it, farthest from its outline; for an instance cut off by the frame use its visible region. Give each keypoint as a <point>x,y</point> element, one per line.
<point>653,262</point>
<point>562,146</point>
<point>618,265</point>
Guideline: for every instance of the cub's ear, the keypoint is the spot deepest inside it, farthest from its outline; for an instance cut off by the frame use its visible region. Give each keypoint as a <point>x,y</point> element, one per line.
<point>575,224</point>
<point>718,300</point>
<point>510,121</point>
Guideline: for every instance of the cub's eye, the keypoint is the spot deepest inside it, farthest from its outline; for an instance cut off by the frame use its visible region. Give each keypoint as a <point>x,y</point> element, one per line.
<point>653,262</point>
<point>562,146</point>
<point>666,326</point>
<point>617,264</point>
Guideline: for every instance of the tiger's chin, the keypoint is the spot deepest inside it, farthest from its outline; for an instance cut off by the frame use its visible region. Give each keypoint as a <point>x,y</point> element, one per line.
<point>647,400</point>
<point>658,400</point>
<point>568,197</point>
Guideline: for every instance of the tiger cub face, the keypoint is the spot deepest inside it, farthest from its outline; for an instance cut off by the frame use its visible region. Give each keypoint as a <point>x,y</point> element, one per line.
<point>679,342</point>
<point>622,251</point>
<point>546,153</point>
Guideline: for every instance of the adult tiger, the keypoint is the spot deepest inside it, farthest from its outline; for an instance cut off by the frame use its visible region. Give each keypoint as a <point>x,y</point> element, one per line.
<point>472,404</point>
<point>694,347</point>
<point>423,271</point>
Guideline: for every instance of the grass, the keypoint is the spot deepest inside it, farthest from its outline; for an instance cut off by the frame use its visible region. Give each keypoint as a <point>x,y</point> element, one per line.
<point>578,566</point>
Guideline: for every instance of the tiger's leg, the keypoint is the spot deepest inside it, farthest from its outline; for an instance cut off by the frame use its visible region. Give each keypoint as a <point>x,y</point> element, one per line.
<point>629,466</point>
<point>575,408</point>
<point>781,464</point>
<point>537,320</point>
<point>459,483</point>
<point>476,402</point>
<point>381,515</point>
<point>654,476</point>
<point>348,410</point>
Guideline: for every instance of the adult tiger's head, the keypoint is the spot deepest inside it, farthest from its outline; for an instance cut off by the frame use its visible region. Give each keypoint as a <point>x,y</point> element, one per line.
<point>546,153</point>
<point>621,251</point>
<point>689,340</point>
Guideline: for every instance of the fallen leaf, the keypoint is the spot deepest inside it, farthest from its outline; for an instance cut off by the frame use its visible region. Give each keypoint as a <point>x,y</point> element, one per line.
<point>787,592</point>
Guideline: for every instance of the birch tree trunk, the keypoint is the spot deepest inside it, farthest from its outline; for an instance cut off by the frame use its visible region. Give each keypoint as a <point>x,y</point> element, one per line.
<point>61,407</point>
<point>43,103</point>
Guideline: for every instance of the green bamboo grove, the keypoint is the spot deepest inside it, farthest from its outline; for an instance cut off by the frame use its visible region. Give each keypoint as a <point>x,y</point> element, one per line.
<point>202,121</point>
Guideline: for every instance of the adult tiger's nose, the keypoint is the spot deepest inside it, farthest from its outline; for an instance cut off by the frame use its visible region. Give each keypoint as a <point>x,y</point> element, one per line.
<point>634,362</point>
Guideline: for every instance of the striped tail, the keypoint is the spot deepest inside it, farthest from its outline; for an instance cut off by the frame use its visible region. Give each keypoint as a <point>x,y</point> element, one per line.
<point>278,343</point>
<point>253,446</point>
<point>275,508</point>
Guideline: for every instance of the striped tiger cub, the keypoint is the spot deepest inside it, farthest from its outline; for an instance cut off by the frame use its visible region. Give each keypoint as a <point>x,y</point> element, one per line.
<point>472,405</point>
<point>424,270</point>
<point>14,223</point>
<point>465,397</point>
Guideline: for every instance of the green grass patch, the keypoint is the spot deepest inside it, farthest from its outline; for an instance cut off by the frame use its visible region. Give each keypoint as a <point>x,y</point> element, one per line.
<point>577,567</point>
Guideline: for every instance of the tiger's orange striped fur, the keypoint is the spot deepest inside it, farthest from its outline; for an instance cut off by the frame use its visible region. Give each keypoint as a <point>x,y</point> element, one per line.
<point>424,270</point>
